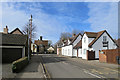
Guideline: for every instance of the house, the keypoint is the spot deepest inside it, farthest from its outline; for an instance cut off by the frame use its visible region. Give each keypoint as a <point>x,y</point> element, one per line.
<point>15,31</point>
<point>78,47</point>
<point>33,47</point>
<point>50,49</point>
<point>42,45</point>
<point>14,46</point>
<point>67,48</point>
<point>97,41</point>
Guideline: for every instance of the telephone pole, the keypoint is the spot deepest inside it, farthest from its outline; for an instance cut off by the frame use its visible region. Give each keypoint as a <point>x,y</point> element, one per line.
<point>29,37</point>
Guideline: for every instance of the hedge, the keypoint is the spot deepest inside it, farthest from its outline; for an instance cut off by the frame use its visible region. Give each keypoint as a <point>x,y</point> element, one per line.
<point>19,64</point>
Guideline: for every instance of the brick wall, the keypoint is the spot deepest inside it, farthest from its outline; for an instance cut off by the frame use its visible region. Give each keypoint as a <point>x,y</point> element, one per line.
<point>109,56</point>
<point>90,55</point>
<point>102,57</point>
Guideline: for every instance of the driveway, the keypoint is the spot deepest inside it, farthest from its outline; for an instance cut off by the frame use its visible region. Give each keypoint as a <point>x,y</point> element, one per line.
<point>65,67</point>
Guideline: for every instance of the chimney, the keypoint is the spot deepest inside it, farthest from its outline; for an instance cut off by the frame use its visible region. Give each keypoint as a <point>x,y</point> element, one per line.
<point>41,38</point>
<point>6,30</point>
<point>73,35</point>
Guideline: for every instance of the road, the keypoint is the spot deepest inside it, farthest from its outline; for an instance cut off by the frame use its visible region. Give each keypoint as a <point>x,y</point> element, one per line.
<point>63,67</point>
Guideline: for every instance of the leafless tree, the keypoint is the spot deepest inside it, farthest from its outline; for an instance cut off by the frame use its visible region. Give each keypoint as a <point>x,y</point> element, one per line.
<point>65,35</point>
<point>27,28</point>
<point>49,43</point>
<point>75,31</point>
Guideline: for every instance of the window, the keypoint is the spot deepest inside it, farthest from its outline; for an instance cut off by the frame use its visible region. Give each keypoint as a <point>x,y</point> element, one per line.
<point>84,51</point>
<point>84,39</point>
<point>104,38</point>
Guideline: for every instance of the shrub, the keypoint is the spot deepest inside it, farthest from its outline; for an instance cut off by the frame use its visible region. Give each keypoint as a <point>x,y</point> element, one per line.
<point>19,64</point>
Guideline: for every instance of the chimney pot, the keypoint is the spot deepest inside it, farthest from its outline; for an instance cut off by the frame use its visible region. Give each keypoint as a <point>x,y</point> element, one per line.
<point>41,38</point>
<point>6,30</point>
<point>73,35</point>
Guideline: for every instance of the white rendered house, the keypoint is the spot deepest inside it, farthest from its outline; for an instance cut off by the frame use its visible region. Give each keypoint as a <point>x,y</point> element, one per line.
<point>96,41</point>
<point>67,48</point>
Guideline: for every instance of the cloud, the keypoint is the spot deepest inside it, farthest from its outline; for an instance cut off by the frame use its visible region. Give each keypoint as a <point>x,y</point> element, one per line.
<point>13,18</point>
<point>104,16</point>
<point>18,14</point>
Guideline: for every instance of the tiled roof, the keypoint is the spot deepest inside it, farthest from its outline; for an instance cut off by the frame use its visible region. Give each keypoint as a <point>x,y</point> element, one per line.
<point>79,45</point>
<point>13,39</point>
<point>91,34</point>
<point>42,42</point>
<point>71,38</point>
<point>98,34</point>
<point>75,37</point>
<point>15,30</point>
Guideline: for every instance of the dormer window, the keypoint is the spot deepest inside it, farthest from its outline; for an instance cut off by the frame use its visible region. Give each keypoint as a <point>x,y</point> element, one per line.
<point>104,38</point>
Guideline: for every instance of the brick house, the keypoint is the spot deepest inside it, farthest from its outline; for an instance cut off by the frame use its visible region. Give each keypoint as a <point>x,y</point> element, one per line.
<point>42,45</point>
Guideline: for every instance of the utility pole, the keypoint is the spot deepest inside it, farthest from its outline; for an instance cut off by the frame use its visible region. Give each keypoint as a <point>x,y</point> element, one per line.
<point>29,37</point>
<point>28,44</point>
<point>30,29</point>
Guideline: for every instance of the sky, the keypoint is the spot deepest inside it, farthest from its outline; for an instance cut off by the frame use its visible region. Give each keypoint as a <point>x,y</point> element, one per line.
<point>53,18</point>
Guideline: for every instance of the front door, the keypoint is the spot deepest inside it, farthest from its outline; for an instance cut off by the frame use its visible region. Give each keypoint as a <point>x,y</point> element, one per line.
<point>77,52</point>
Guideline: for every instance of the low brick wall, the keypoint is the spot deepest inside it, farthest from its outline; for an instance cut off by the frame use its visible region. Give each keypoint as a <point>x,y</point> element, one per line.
<point>109,56</point>
<point>102,57</point>
<point>90,55</point>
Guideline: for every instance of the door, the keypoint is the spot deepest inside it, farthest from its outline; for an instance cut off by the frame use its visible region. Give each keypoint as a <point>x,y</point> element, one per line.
<point>11,54</point>
<point>77,52</point>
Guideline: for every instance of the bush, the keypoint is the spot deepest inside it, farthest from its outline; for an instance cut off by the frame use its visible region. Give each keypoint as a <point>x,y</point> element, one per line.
<point>19,64</point>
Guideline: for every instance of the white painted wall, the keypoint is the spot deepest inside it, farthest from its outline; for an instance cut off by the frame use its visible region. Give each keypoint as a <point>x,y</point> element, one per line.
<point>90,40</point>
<point>75,43</point>
<point>67,50</point>
<point>98,45</point>
<point>80,52</point>
<point>75,52</point>
<point>77,40</point>
<point>84,46</point>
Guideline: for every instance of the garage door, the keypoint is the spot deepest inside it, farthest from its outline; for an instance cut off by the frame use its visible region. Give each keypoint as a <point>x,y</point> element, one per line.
<point>11,54</point>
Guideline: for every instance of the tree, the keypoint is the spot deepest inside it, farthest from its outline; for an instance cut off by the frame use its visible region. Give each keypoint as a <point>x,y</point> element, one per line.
<point>65,35</point>
<point>49,43</point>
<point>77,31</point>
<point>31,27</point>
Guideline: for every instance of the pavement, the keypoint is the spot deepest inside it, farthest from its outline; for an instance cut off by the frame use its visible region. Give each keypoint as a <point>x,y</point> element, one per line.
<point>32,70</point>
<point>65,67</point>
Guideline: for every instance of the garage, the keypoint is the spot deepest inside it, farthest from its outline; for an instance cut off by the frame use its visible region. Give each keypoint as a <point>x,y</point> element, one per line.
<point>11,54</point>
<point>14,47</point>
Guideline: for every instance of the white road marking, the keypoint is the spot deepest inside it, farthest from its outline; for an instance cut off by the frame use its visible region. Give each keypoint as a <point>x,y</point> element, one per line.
<point>93,74</point>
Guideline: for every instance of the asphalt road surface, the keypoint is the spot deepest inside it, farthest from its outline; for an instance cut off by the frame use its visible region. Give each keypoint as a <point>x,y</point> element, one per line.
<point>62,67</point>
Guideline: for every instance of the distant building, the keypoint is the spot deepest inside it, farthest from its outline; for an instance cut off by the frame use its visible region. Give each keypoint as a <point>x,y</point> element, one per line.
<point>42,45</point>
<point>33,47</point>
<point>50,50</point>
